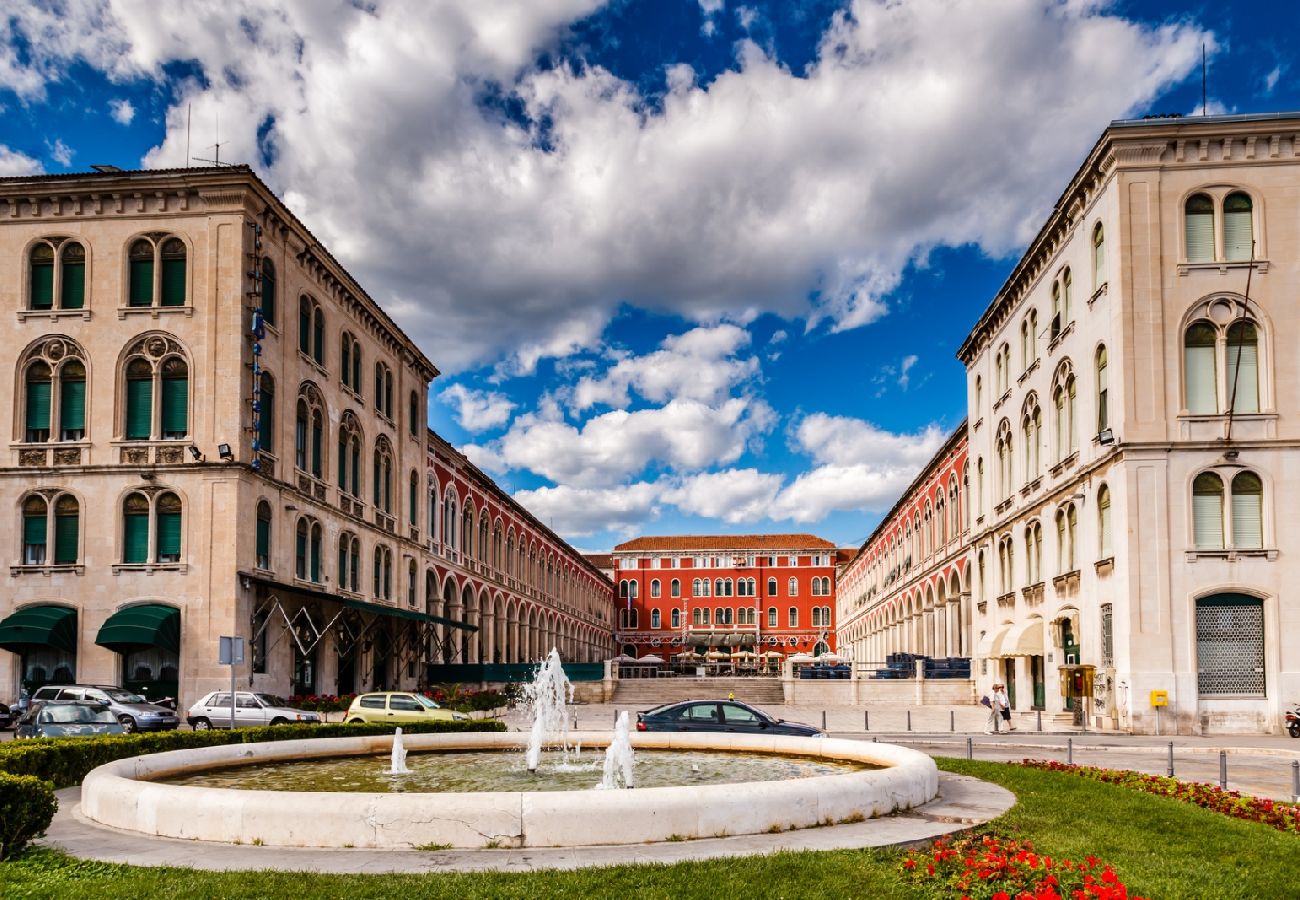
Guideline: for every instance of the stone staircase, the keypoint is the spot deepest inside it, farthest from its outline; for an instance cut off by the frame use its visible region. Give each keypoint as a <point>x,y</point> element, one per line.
<point>647,692</point>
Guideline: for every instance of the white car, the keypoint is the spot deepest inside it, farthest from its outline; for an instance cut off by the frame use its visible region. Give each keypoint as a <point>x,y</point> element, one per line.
<point>252,710</point>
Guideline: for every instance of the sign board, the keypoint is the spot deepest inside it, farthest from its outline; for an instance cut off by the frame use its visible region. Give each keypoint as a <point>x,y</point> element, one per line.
<point>1159,698</point>
<point>232,651</point>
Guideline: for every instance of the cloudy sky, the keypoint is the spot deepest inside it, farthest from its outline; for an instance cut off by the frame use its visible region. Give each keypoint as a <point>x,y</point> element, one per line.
<point>686,265</point>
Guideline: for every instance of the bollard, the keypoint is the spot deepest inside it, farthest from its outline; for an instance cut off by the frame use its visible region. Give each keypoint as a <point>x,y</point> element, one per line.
<point>1040,721</point>
<point>970,749</point>
<point>866,720</point>
<point>1295,781</point>
<point>823,720</point>
<point>875,740</point>
<point>909,720</point>
<point>1171,759</point>
<point>1223,769</point>
<point>1069,751</point>
<point>952,720</point>
<point>575,721</point>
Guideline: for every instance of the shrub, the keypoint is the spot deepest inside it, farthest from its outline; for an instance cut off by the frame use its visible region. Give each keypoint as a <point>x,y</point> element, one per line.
<point>66,761</point>
<point>27,807</point>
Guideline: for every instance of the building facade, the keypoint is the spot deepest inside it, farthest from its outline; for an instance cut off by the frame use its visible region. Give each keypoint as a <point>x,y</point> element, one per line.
<point>907,590</point>
<point>764,594</point>
<point>1133,427</point>
<point>187,361</point>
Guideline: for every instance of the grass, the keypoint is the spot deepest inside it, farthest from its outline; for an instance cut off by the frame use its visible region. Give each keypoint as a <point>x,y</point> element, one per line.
<point>1161,848</point>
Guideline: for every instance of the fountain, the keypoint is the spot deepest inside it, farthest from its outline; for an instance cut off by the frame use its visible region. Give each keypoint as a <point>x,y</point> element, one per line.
<point>619,757</point>
<point>397,763</point>
<point>548,697</point>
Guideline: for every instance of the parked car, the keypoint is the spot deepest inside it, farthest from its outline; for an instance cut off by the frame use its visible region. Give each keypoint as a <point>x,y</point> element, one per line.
<point>134,712</point>
<point>719,715</point>
<point>398,708</point>
<point>252,710</point>
<point>67,718</point>
<point>6,717</point>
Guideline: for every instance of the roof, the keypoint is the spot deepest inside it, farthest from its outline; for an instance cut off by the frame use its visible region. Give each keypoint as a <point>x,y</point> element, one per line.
<point>690,542</point>
<point>600,560</point>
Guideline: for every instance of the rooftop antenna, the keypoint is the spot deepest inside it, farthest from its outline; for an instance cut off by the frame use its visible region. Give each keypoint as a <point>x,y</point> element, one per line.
<point>216,159</point>
<point>189,118</point>
<point>1204,95</point>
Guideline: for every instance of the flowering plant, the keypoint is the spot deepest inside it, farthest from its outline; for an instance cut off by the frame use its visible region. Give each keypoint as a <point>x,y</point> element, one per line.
<point>995,868</point>
<point>1282,816</point>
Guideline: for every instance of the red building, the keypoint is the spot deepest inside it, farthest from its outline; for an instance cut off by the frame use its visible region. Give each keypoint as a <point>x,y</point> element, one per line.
<point>764,593</point>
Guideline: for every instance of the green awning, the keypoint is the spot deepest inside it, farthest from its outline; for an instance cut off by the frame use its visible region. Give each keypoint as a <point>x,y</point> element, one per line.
<point>147,625</point>
<point>40,626</point>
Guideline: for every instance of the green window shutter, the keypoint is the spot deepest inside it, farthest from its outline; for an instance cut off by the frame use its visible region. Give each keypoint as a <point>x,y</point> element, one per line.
<point>304,327</point>
<point>74,286</point>
<point>135,538</point>
<point>42,285</point>
<point>315,558</point>
<point>139,408</point>
<point>66,529</point>
<point>175,406</point>
<point>300,559</point>
<point>266,422</point>
<point>140,292</point>
<point>263,539</point>
<point>72,406</point>
<point>268,296</point>
<point>34,530</point>
<point>356,470</point>
<point>343,463</point>
<point>318,332</point>
<point>173,282</point>
<point>169,535</point>
<point>38,407</point>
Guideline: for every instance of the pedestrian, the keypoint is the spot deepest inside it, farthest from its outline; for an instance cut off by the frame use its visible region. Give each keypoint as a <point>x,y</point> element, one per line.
<point>991,702</point>
<point>1003,703</point>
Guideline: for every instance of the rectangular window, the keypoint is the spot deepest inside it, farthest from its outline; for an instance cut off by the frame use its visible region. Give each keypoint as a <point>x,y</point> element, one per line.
<point>141,278</point>
<point>264,545</point>
<point>38,410</point>
<point>135,539</point>
<point>42,285</point>
<point>139,409</point>
<point>169,537</point>
<point>173,282</point>
<point>1107,636</point>
<point>34,540</point>
<point>794,617</point>
<point>1230,646</point>
<point>175,407</point>
<point>65,539</point>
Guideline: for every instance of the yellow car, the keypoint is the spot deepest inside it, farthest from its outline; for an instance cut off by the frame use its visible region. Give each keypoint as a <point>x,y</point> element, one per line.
<point>399,708</point>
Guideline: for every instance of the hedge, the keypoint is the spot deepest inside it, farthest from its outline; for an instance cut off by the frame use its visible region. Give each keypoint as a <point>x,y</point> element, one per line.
<point>66,761</point>
<point>27,807</point>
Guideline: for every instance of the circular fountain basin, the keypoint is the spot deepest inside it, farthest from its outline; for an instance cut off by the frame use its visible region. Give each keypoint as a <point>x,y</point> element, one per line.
<point>130,794</point>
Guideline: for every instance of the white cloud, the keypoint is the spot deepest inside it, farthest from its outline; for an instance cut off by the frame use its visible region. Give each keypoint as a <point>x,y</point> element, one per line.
<point>698,365</point>
<point>60,152</point>
<point>683,435</point>
<point>122,111</point>
<point>904,367</point>
<point>578,512</point>
<point>845,441</point>
<point>477,410</point>
<point>12,162</point>
<point>766,190</point>
<point>733,495</point>
<point>710,10</point>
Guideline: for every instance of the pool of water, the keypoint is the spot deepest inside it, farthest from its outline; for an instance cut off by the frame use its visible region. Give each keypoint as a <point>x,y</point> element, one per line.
<point>505,771</point>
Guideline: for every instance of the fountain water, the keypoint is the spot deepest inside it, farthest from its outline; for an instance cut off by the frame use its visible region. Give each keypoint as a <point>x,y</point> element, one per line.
<point>548,697</point>
<point>619,757</point>
<point>397,763</point>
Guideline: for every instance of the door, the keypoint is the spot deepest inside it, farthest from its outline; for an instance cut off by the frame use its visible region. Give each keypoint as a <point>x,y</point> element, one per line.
<point>1009,666</point>
<point>404,708</point>
<point>218,710</point>
<point>248,711</point>
<point>1036,672</point>
<point>699,717</point>
<point>738,719</point>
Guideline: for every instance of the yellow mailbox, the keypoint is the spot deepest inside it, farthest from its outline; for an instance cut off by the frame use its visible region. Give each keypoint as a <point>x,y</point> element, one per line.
<point>1159,698</point>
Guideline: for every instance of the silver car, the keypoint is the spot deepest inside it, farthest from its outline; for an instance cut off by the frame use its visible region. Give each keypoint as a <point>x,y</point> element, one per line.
<point>134,712</point>
<point>67,718</point>
<point>252,710</point>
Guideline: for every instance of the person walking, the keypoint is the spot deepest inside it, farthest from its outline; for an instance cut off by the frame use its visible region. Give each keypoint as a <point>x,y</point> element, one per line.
<point>1002,703</point>
<point>995,715</point>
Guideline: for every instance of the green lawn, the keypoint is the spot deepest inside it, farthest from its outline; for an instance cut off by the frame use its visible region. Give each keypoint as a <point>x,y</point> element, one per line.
<point>1159,847</point>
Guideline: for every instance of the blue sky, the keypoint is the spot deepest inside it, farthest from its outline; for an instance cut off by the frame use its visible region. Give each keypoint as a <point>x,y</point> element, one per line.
<point>687,265</point>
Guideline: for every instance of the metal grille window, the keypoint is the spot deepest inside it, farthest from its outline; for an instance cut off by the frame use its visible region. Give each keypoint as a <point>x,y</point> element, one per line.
<point>1230,645</point>
<point>1107,636</point>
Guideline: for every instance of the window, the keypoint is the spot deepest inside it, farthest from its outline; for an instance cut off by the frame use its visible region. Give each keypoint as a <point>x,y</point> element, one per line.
<point>1207,511</point>
<point>1098,257</point>
<point>159,541</point>
<point>1003,445</point>
<point>1006,565</point>
<point>309,431</point>
<point>383,572</point>
<point>792,587</point>
<point>349,453</point>
<point>1033,553</point>
<point>1103,392</point>
<point>267,271</point>
<point>413,500</point>
<point>1247,511</point>
<point>156,390</point>
<point>412,579</point>
<point>675,588</point>
<point>156,272</point>
<point>1221,363</point>
<point>311,329</point>
<point>265,400</point>
<point>1107,635</point>
<point>1230,645</point>
<point>59,516</point>
<point>449,522</point>
<point>413,414</point>
<point>677,618</point>
<point>793,621</point>
<point>349,562</point>
<point>56,275</point>
<point>383,390</point>
<point>264,535</point>
<point>771,587</point>
<point>1031,428</point>
<point>700,615</point>
<point>1066,523</point>
<point>1238,228</point>
<point>382,485</point>
<point>771,617</point>
<point>351,362</point>
<point>1103,523</point>
<point>655,620</point>
<point>1063,397</point>
<point>655,590</point>
<point>722,615</point>
<point>54,392</point>
<point>1199,228</point>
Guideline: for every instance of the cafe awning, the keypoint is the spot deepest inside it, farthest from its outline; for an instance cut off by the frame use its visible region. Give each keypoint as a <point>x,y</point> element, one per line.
<point>40,626</point>
<point>1023,639</point>
<point>146,625</point>
<point>990,645</point>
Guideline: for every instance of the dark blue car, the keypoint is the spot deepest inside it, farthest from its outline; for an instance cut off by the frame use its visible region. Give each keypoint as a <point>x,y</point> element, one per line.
<point>719,715</point>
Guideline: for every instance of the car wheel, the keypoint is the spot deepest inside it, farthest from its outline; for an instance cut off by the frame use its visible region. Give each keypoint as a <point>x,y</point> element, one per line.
<point>202,725</point>
<point>128,724</point>
<point>279,721</point>
<point>356,721</point>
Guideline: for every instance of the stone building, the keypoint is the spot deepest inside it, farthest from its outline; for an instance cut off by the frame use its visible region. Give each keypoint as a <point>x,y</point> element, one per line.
<point>753,593</point>
<point>1134,437</point>
<point>908,588</point>
<point>188,361</point>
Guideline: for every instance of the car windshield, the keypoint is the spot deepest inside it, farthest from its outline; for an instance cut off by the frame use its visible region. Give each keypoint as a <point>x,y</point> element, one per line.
<point>120,696</point>
<point>426,702</point>
<point>76,714</point>
<point>271,700</point>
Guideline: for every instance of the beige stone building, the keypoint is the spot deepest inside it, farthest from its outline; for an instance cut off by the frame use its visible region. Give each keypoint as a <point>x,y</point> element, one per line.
<point>215,430</point>
<point>1134,435</point>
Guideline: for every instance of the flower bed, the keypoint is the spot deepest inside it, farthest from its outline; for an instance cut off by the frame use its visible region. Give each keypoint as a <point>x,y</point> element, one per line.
<point>995,868</point>
<point>1282,816</point>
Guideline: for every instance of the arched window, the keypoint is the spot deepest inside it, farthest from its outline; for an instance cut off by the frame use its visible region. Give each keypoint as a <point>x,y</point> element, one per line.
<point>793,621</point>
<point>449,522</point>
<point>1058,322</point>
<point>655,590</point>
<point>1063,397</point>
<point>1238,227</point>
<point>1222,362</point>
<point>382,485</point>
<point>36,525</point>
<point>675,589</point>
<point>1103,523</point>
<point>156,272</point>
<point>1066,522</point>
<point>383,390</point>
<point>39,379</point>
<point>1242,369</point>
<point>1103,392</point>
<point>156,390</point>
<point>1247,511</point>
<point>413,414</point>
<point>264,535</point>
<point>772,587</point>
<point>413,500</point>
<point>655,621</point>
<point>792,588</point>
<point>56,269</point>
<point>483,536</point>
<point>265,413</point>
<point>1199,224</point>
<point>677,618</point>
<point>1098,257</point>
<point>309,431</point>
<point>1207,511</point>
<point>1031,427</point>
<point>1199,362</point>
<point>771,617</point>
<point>268,291</point>
<point>1067,297</point>
<point>467,540</point>
<point>59,516</point>
<point>311,329</point>
<point>164,535</point>
<point>412,580</point>
<point>349,454</point>
<point>1033,553</point>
